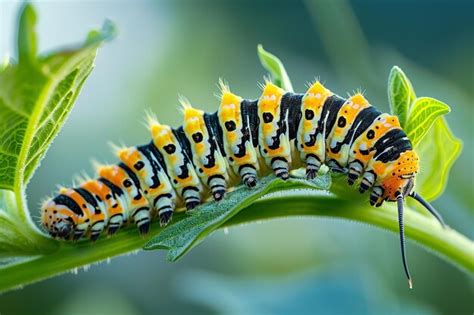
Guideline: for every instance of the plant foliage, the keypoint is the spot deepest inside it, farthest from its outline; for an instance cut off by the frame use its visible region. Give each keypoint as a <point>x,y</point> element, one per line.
<point>36,95</point>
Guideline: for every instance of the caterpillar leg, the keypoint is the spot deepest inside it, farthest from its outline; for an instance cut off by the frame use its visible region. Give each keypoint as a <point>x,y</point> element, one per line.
<point>191,197</point>
<point>79,232</point>
<point>368,181</point>
<point>280,167</point>
<point>218,186</point>
<point>313,164</point>
<point>376,196</point>
<point>164,205</point>
<point>96,229</point>
<point>355,170</point>
<point>335,167</point>
<point>115,222</point>
<point>248,173</point>
<point>142,219</point>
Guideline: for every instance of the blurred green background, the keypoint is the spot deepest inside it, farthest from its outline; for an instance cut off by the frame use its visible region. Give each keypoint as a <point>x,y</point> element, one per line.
<point>294,266</point>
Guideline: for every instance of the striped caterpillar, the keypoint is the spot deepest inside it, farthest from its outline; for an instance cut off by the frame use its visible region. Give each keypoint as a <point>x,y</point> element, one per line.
<point>241,142</point>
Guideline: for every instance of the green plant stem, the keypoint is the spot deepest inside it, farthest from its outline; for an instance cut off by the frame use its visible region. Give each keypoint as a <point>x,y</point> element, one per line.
<point>449,244</point>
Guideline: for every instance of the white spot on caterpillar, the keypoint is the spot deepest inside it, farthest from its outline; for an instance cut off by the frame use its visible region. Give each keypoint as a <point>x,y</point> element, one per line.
<point>235,149</point>
<point>269,141</point>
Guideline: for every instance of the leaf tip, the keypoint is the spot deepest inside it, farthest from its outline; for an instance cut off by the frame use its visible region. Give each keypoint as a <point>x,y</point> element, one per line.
<point>107,33</point>
<point>26,36</point>
<point>155,244</point>
<point>275,67</point>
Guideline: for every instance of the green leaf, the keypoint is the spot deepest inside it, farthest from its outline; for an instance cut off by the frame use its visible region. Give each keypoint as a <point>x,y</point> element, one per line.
<point>423,114</point>
<point>35,100</point>
<point>180,237</point>
<point>27,43</point>
<point>437,152</point>
<point>400,94</point>
<point>36,96</point>
<point>276,69</point>
<point>440,148</point>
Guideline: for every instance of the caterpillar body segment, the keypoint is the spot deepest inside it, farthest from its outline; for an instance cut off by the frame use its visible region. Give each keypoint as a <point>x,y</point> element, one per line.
<point>238,122</point>
<point>273,138</point>
<point>371,131</point>
<point>207,158</point>
<point>116,206</point>
<point>241,141</point>
<point>136,205</point>
<point>342,133</point>
<point>99,217</point>
<point>111,200</point>
<point>145,162</point>
<point>178,163</point>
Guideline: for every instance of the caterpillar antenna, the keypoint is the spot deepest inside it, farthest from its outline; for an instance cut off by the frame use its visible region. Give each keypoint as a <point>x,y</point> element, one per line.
<point>428,207</point>
<point>402,238</point>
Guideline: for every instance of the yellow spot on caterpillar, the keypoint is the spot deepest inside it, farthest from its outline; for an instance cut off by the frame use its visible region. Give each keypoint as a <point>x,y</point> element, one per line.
<point>270,99</point>
<point>359,99</point>
<point>315,96</point>
<point>229,109</point>
<point>161,134</point>
<point>318,90</point>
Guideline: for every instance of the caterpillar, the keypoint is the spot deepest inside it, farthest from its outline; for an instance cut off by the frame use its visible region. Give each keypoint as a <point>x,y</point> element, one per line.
<point>240,142</point>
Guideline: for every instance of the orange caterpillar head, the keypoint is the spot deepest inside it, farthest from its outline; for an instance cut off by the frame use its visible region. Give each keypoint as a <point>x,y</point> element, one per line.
<point>402,178</point>
<point>59,216</point>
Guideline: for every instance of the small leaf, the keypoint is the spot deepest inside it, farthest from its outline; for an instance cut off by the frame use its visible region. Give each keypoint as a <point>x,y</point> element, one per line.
<point>107,33</point>
<point>180,237</point>
<point>438,151</point>
<point>276,69</point>
<point>27,44</point>
<point>400,94</point>
<point>423,114</point>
